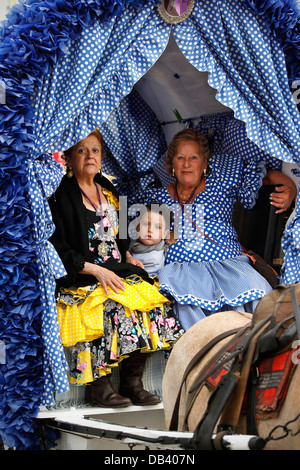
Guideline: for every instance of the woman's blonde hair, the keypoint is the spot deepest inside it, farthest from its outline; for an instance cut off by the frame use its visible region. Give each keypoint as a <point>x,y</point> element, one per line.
<point>67,154</point>
<point>181,136</point>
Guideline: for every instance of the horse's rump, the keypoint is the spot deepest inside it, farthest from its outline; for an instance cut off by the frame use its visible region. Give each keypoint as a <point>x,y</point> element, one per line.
<point>184,351</point>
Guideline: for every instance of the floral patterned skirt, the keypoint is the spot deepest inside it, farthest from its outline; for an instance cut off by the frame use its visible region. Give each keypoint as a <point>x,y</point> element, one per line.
<point>101,330</point>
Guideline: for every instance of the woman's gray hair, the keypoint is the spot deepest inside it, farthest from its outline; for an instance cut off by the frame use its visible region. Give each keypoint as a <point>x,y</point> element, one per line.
<point>181,136</point>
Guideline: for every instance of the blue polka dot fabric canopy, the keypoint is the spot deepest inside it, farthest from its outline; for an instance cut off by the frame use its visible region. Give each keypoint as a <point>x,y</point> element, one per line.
<point>67,67</point>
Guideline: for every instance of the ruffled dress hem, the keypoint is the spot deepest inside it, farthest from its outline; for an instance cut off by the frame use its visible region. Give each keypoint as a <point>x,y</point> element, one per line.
<point>212,284</point>
<point>100,330</point>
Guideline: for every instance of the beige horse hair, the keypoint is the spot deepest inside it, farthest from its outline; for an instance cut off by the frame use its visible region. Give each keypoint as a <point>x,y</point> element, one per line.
<point>183,352</point>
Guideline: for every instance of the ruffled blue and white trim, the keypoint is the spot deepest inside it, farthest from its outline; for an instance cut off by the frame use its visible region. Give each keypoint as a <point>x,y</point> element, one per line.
<point>213,284</point>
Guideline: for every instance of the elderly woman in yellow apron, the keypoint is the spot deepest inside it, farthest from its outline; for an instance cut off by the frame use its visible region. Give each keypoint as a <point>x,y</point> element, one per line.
<point>109,310</point>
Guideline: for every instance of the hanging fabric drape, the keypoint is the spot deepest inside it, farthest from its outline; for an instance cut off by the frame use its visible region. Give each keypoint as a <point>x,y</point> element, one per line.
<point>135,140</point>
<point>282,19</point>
<point>247,67</point>
<point>99,69</point>
<point>44,176</point>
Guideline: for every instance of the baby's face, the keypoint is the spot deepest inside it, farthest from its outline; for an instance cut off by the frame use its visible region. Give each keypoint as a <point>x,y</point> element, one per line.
<point>152,228</point>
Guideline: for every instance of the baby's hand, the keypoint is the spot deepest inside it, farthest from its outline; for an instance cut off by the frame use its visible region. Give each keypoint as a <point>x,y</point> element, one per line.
<point>130,259</point>
<point>136,262</point>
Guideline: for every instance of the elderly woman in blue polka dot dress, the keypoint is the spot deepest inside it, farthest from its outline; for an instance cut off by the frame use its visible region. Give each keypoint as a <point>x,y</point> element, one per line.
<point>205,269</point>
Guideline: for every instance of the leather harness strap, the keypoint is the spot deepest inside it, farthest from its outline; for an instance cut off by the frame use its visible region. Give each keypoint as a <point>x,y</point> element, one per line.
<point>220,358</point>
<point>271,342</point>
<point>296,309</point>
<point>228,387</point>
<point>232,410</point>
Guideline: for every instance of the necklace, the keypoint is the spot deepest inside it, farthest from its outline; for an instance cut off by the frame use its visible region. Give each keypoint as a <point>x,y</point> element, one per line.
<point>184,197</point>
<point>189,198</point>
<point>99,213</point>
<point>98,210</point>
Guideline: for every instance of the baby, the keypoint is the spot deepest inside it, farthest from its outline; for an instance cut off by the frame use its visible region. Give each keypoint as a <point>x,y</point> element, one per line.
<point>152,230</point>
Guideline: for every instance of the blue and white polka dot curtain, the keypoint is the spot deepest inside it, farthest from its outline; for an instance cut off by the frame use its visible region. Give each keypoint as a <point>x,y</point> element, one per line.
<point>67,65</point>
<point>99,69</point>
<point>247,67</point>
<point>135,140</point>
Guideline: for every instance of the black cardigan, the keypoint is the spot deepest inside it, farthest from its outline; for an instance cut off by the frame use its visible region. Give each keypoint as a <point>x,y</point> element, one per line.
<point>70,238</point>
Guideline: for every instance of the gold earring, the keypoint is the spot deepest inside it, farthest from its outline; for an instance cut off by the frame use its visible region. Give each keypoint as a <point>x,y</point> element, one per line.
<point>204,172</point>
<point>70,172</point>
<point>173,172</point>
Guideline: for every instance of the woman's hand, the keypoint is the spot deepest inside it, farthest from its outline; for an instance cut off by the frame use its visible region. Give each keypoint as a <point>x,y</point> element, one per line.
<point>171,239</point>
<point>109,279</point>
<point>130,259</point>
<point>105,276</point>
<point>284,194</point>
<point>282,198</point>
